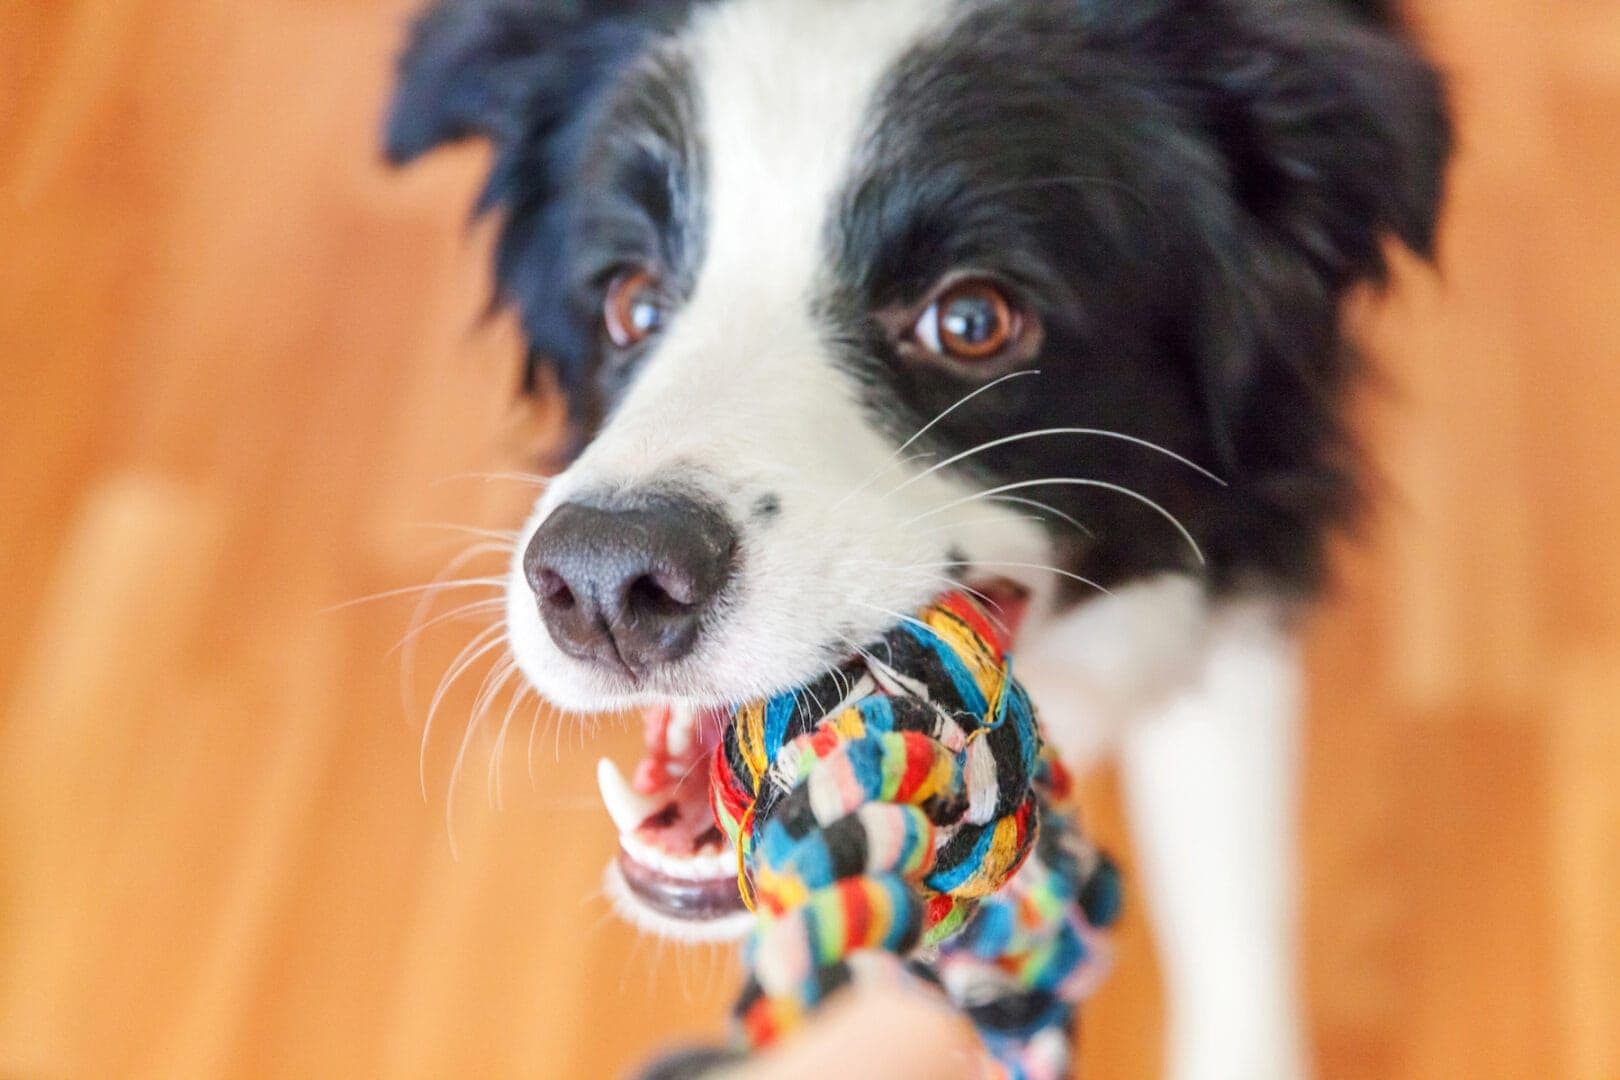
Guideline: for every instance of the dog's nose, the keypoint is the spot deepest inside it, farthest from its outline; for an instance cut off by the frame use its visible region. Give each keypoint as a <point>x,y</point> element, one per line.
<point>627,588</point>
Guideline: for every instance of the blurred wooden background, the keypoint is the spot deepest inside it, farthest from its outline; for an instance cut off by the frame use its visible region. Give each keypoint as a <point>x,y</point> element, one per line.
<point>241,360</point>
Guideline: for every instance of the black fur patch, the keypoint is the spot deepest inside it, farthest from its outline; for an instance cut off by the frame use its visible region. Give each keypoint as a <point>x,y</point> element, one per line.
<point>1183,191</point>
<point>595,166</point>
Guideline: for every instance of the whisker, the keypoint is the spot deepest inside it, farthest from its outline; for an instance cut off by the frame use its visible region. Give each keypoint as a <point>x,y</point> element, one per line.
<point>489,687</point>
<point>970,522</point>
<point>859,651</point>
<point>1021,566</point>
<point>1065,481</point>
<point>534,726</point>
<point>986,388</point>
<point>410,590</point>
<point>407,644</point>
<point>912,620</point>
<point>481,645</point>
<point>1044,432</point>
<point>952,583</point>
<point>497,779</point>
<point>925,429</point>
<point>892,462</point>
<point>1054,511</point>
<point>465,611</point>
<point>531,479</point>
<point>506,536</point>
<point>830,668</point>
<point>917,571</point>
<point>486,694</point>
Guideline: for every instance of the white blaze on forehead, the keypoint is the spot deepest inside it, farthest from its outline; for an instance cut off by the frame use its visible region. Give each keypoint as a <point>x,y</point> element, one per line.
<point>742,380</point>
<point>786,90</point>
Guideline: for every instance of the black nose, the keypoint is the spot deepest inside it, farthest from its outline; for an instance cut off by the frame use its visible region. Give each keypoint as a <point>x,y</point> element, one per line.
<point>627,588</point>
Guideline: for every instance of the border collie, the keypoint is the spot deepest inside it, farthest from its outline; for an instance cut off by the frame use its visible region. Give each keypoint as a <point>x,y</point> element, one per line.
<point>852,300</point>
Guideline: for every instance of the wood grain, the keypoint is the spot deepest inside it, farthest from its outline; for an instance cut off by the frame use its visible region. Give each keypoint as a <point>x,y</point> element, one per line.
<point>246,370</point>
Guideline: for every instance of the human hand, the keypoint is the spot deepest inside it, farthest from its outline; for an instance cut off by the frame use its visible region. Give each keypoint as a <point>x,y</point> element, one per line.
<point>882,1033</point>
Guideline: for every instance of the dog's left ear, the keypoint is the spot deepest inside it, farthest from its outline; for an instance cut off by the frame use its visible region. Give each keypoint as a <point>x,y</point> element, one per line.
<point>1335,137</point>
<point>1336,131</point>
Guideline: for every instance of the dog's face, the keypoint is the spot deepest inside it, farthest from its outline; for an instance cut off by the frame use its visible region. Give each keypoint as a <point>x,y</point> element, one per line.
<point>855,298</point>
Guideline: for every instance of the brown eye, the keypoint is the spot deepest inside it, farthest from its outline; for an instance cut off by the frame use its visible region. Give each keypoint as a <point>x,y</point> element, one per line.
<point>633,308</point>
<point>971,321</point>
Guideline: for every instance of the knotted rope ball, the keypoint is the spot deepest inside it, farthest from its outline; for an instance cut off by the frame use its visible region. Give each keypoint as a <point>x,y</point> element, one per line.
<point>903,807</point>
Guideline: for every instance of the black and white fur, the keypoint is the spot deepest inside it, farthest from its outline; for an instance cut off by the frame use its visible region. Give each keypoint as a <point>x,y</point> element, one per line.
<point>1183,190</point>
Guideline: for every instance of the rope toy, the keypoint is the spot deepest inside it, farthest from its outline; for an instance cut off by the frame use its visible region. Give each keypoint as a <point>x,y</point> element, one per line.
<point>901,813</point>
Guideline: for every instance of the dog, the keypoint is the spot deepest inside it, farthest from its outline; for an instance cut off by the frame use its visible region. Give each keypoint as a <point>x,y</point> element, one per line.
<point>856,300</point>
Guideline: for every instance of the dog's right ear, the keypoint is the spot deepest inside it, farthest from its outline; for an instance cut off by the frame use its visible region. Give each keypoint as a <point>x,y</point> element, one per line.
<point>525,75</point>
<point>498,68</point>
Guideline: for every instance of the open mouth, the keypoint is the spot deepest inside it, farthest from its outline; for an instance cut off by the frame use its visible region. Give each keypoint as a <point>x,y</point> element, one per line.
<point>675,873</point>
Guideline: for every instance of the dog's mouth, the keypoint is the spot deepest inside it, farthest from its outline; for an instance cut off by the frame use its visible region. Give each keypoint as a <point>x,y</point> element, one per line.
<point>676,873</point>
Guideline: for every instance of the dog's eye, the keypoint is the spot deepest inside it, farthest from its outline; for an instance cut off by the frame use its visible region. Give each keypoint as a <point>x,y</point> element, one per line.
<point>634,308</point>
<point>971,321</point>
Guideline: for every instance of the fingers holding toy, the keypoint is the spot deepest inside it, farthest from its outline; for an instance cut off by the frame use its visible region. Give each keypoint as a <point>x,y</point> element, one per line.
<point>882,1033</point>
<point>876,1032</point>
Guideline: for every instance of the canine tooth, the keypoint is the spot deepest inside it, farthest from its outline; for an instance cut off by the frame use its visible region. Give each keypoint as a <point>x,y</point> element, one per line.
<point>627,808</point>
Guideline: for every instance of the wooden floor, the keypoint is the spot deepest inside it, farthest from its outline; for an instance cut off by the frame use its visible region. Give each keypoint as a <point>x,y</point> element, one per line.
<point>243,379</point>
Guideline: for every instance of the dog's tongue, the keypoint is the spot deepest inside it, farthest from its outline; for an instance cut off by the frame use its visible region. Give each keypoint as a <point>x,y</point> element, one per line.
<point>662,812</point>
<point>674,741</point>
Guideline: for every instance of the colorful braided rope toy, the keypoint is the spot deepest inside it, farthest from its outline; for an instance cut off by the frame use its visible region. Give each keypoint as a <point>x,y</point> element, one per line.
<point>900,813</point>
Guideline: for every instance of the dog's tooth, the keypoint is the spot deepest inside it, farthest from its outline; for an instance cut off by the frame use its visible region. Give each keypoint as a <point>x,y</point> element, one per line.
<point>716,866</point>
<point>627,808</point>
<point>679,737</point>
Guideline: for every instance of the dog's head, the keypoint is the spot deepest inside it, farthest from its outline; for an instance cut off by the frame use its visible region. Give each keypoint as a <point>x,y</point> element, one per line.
<point>855,298</point>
